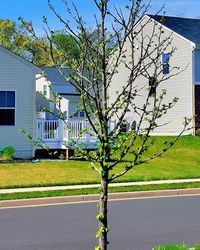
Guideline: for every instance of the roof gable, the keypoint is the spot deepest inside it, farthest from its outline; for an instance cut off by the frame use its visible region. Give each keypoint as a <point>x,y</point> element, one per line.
<point>21,59</point>
<point>187,27</point>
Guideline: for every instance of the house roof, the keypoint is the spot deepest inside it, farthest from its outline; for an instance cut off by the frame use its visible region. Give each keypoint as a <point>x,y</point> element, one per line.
<point>186,27</point>
<point>54,76</point>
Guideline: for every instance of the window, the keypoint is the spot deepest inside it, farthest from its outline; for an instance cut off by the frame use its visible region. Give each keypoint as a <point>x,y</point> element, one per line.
<point>45,90</point>
<point>152,86</point>
<point>165,63</point>
<point>124,127</point>
<point>79,114</point>
<point>7,108</point>
<point>133,125</point>
<point>82,114</point>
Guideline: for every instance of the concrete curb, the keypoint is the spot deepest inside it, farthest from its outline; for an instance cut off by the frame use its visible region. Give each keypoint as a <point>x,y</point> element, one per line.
<point>70,187</point>
<point>94,198</point>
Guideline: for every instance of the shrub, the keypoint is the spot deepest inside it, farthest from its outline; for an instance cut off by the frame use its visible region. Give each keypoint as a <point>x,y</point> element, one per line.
<point>6,153</point>
<point>197,132</point>
<point>197,248</point>
<point>172,247</point>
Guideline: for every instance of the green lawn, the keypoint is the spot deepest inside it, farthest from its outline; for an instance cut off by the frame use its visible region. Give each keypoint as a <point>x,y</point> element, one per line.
<point>182,161</point>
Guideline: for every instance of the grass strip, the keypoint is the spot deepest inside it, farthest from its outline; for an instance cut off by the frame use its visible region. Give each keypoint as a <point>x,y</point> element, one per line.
<point>50,184</point>
<point>172,247</point>
<point>176,247</point>
<point>89,183</point>
<point>56,193</point>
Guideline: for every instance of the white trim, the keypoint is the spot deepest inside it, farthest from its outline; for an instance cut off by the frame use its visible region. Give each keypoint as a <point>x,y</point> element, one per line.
<point>13,90</point>
<point>161,24</point>
<point>193,66</point>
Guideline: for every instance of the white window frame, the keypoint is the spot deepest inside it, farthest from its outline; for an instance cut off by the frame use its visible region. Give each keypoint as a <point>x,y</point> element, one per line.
<point>15,108</point>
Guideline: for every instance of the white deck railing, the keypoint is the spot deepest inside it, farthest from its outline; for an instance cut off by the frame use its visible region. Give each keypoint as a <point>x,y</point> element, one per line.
<point>80,130</point>
<point>57,130</point>
<point>58,134</point>
<point>48,130</point>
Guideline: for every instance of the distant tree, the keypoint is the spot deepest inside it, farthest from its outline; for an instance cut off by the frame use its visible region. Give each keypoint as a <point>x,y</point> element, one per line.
<point>17,38</point>
<point>38,50</point>
<point>11,38</point>
<point>67,46</point>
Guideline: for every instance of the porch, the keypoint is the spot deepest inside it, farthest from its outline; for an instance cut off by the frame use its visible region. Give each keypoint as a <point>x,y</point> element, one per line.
<point>57,134</point>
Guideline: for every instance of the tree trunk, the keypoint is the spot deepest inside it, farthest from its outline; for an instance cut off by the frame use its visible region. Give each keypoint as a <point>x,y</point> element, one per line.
<point>103,221</point>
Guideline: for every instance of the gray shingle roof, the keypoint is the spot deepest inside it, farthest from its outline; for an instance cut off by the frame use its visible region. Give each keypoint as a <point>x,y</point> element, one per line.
<point>54,76</point>
<point>186,27</point>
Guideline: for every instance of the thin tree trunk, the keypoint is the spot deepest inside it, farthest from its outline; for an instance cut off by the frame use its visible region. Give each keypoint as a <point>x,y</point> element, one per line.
<point>103,222</point>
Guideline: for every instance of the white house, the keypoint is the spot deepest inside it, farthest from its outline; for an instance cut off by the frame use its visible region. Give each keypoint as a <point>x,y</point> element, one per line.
<point>185,36</point>
<point>57,133</point>
<point>17,102</point>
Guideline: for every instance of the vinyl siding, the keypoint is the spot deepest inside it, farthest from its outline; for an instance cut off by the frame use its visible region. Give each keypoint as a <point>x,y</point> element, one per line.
<point>179,86</point>
<point>40,100</point>
<point>16,75</point>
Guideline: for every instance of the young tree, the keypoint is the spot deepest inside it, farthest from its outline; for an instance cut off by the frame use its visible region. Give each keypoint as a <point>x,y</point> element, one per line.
<point>94,75</point>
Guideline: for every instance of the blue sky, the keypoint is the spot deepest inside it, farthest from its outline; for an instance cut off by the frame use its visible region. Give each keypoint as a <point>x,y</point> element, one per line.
<point>35,9</point>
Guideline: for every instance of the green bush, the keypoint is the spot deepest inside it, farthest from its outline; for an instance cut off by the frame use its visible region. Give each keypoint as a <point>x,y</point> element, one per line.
<point>6,153</point>
<point>172,247</point>
<point>197,248</point>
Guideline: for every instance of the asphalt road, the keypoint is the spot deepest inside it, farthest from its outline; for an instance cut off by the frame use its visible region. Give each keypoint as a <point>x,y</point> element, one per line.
<point>135,225</point>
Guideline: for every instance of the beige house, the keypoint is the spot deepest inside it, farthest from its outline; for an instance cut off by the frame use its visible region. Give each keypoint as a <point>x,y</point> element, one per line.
<point>17,102</point>
<point>184,34</point>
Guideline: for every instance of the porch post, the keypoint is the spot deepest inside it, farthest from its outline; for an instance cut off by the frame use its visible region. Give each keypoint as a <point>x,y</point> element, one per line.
<point>67,121</point>
<point>67,130</point>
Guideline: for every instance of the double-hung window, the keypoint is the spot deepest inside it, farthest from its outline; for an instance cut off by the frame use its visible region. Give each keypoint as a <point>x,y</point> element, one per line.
<point>165,63</point>
<point>7,108</point>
